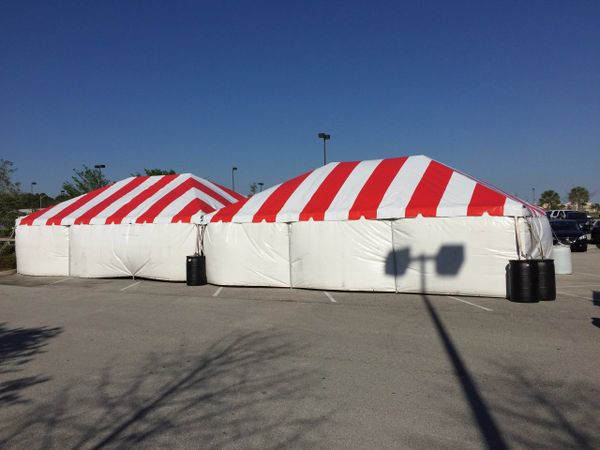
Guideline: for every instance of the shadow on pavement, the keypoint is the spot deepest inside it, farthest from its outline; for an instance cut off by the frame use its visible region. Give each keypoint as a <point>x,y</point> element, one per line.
<point>237,392</point>
<point>18,346</point>
<point>539,412</point>
<point>596,301</point>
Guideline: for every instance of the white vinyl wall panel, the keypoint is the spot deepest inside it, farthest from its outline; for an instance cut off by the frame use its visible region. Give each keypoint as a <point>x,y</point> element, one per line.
<point>456,255</point>
<point>155,251</point>
<point>346,255</point>
<point>42,250</point>
<point>248,254</point>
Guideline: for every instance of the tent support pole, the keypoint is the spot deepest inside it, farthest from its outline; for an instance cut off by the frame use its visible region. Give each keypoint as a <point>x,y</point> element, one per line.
<point>290,253</point>
<point>394,256</point>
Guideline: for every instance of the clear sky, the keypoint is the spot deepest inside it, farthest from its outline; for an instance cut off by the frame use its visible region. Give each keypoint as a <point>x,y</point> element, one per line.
<point>508,91</point>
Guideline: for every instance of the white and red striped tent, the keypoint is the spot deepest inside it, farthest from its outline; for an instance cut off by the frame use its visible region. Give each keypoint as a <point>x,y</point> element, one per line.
<point>376,189</point>
<point>339,227</point>
<point>143,199</point>
<point>140,226</point>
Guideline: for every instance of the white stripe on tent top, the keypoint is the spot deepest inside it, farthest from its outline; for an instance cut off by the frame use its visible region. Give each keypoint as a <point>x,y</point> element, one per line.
<point>147,204</point>
<point>41,220</point>
<point>346,196</point>
<point>301,196</point>
<point>167,214</point>
<point>216,189</point>
<point>457,196</point>
<point>70,219</point>
<point>100,218</point>
<point>399,192</point>
<point>246,213</point>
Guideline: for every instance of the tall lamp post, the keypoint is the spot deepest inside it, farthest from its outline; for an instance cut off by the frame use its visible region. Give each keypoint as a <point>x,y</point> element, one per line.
<point>100,167</point>
<point>325,138</point>
<point>533,196</point>
<point>33,183</point>
<point>261,184</point>
<point>233,170</point>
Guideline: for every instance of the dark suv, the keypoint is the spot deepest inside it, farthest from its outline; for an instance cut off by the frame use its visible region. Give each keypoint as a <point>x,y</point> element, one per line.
<point>569,232</point>
<point>596,233</point>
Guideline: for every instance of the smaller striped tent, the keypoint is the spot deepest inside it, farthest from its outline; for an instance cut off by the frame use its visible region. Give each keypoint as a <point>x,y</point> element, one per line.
<point>141,226</point>
<point>351,225</point>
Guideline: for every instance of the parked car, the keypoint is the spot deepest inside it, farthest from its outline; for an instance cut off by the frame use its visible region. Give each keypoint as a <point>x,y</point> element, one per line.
<point>569,232</point>
<point>596,233</point>
<point>581,218</point>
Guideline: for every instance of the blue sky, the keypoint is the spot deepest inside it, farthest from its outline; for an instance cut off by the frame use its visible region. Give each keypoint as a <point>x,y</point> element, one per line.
<point>506,91</point>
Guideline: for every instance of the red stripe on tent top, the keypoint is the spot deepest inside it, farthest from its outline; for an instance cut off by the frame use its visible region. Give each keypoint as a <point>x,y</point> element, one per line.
<point>93,212</point>
<point>487,200</point>
<point>324,195</point>
<point>230,192</point>
<point>429,191</point>
<point>154,210</point>
<point>118,216</point>
<point>273,204</point>
<point>28,220</point>
<point>226,214</point>
<point>185,215</point>
<point>370,196</point>
<point>56,219</point>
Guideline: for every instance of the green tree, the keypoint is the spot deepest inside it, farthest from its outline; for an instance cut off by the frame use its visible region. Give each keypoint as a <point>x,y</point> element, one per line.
<point>579,196</point>
<point>85,180</point>
<point>152,172</point>
<point>549,199</point>
<point>6,171</point>
<point>253,189</point>
<point>9,195</point>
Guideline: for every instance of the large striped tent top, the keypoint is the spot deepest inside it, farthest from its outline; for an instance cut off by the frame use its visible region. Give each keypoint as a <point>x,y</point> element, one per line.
<point>144,199</point>
<point>376,189</point>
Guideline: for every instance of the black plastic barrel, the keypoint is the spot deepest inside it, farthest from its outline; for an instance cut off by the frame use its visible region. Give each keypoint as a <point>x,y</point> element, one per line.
<point>531,280</point>
<point>522,280</point>
<point>546,279</point>
<point>196,270</point>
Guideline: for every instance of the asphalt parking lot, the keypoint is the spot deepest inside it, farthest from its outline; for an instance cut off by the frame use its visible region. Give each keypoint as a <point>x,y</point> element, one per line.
<point>126,363</point>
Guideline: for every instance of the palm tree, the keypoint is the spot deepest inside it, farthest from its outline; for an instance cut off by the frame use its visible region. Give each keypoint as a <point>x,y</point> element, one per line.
<point>579,196</point>
<point>550,199</point>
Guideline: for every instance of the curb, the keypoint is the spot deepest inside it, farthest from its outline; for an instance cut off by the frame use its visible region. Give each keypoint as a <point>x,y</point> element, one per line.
<point>8,272</point>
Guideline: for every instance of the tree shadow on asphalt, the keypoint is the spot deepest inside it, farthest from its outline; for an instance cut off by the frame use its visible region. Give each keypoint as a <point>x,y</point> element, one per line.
<point>18,346</point>
<point>238,392</point>
<point>540,412</point>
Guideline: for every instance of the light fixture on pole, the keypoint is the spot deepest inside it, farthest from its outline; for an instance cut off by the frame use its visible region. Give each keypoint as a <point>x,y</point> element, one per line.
<point>325,138</point>
<point>260,184</point>
<point>100,167</point>
<point>233,170</point>
<point>533,195</point>
<point>33,183</point>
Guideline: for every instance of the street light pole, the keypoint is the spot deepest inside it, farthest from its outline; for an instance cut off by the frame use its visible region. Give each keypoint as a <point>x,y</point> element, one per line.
<point>233,170</point>
<point>325,138</point>
<point>33,183</point>
<point>533,195</point>
<point>261,186</point>
<point>100,167</point>
<point>41,196</point>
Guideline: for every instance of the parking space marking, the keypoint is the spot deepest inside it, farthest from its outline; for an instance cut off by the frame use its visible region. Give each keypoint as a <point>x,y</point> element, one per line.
<point>330,297</point>
<point>574,296</point>
<point>588,274</point>
<point>472,304</point>
<point>131,285</point>
<point>60,281</point>
<point>218,291</point>
<point>579,286</point>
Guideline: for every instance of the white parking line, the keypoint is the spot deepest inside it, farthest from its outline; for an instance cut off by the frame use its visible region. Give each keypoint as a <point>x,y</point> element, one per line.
<point>588,274</point>
<point>573,295</point>
<point>131,285</point>
<point>329,296</point>
<point>60,281</point>
<point>472,304</point>
<point>218,291</point>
